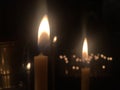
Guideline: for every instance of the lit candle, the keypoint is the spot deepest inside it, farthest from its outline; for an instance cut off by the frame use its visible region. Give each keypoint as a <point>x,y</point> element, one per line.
<point>85,70</point>
<point>52,63</point>
<point>41,61</point>
<point>28,68</point>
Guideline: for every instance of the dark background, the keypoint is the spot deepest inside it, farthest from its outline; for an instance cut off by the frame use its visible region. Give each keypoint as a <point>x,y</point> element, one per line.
<point>19,22</point>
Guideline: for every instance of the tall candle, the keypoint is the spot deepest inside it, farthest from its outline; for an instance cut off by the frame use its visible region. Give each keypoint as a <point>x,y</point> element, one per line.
<point>41,72</point>
<point>85,74</point>
<point>41,60</point>
<point>85,70</point>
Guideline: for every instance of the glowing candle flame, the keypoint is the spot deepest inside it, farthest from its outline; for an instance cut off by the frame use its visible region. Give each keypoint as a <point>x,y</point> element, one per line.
<point>85,51</point>
<point>44,30</point>
<point>54,39</point>
<point>28,66</point>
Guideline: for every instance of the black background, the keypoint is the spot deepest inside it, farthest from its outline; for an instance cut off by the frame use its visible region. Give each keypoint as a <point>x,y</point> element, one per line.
<point>19,22</point>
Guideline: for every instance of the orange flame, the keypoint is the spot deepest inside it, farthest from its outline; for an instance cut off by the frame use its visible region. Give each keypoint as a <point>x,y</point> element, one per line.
<point>85,50</point>
<point>44,30</point>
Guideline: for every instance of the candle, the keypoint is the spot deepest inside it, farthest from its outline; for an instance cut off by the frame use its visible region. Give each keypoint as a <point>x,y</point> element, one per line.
<point>85,73</point>
<point>41,60</point>
<point>85,70</point>
<point>52,63</point>
<point>28,68</point>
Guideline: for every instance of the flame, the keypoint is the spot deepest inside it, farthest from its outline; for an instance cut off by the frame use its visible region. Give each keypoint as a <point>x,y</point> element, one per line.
<point>28,66</point>
<point>44,29</point>
<point>85,50</point>
<point>54,39</point>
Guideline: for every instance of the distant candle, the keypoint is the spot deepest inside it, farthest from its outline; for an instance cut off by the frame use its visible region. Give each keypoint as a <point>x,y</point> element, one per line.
<point>28,70</point>
<point>41,61</point>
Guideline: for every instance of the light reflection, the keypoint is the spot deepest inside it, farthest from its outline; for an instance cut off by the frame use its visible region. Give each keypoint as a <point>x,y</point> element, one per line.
<point>103,66</point>
<point>54,39</point>
<point>74,56</point>
<point>66,72</point>
<point>73,67</point>
<point>28,66</point>
<point>61,57</point>
<point>77,67</point>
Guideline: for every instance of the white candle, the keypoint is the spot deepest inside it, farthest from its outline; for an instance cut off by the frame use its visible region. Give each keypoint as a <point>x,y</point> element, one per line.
<point>85,70</point>
<point>41,61</point>
<point>41,72</point>
<point>28,68</point>
<point>85,74</point>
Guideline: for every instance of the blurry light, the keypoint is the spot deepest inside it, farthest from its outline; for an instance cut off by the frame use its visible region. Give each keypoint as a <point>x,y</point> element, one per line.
<point>7,72</point>
<point>66,72</point>
<point>73,67</point>
<point>102,55</point>
<point>91,54</point>
<point>54,39</point>
<point>28,66</point>
<point>66,58</point>
<point>103,66</point>
<point>80,60</point>
<point>77,59</point>
<point>61,57</point>
<point>66,61</point>
<point>74,56</point>
<point>96,57</point>
<point>90,57</point>
<point>110,58</point>
<point>77,67</point>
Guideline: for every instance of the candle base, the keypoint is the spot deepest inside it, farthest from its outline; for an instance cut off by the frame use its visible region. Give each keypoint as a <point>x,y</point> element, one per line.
<point>85,76</point>
<point>40,70</point>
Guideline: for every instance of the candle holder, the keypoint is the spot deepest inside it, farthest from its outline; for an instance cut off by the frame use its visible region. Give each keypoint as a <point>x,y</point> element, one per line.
<point>7,50</point>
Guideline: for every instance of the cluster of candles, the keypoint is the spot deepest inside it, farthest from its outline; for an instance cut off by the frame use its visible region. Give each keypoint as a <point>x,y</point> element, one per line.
<point>41,60</point>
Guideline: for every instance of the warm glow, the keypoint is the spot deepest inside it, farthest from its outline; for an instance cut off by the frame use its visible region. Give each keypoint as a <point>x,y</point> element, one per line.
<point>77,67</point>
<point>73,67</point>
<point>28,66</point>
<point>103,67</point>
<point>85,50</point>
<point>54,39</point>
<point>66,71</point>
<point>61,57</point>
<point>44,29</point>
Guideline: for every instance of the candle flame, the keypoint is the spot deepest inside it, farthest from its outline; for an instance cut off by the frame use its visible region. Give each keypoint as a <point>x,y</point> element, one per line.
<point>44,29</point>
<point>85,50</point>
<point>28,66</point>
<point>54,39</point>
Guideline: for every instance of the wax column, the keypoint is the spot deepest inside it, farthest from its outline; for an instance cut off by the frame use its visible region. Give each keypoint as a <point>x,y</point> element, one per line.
<point>85,70</point>
<point>53,61</point>
<point>41,61</point>
<point>28,68</point>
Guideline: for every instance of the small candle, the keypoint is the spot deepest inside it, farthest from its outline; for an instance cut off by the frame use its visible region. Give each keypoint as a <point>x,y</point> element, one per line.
<point>28,68</point>
<point>85,70</point>
<point>41,60</point>
<point>85,73</point>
